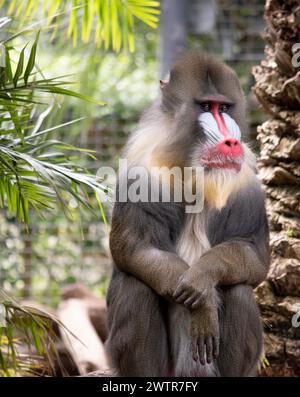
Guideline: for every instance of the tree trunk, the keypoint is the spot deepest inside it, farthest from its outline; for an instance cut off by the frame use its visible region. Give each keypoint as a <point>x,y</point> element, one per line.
<point>173,32</point>
<point>80,337</point>
<point>278,89</point>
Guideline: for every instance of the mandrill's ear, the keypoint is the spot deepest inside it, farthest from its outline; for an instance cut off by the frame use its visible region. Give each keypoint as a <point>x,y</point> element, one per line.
<point>163,84</point>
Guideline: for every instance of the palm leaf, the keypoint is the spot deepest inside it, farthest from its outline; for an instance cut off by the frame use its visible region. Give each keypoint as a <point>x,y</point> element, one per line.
<point>113,20</point>
<point>26,328</point>
<point>36,171</point>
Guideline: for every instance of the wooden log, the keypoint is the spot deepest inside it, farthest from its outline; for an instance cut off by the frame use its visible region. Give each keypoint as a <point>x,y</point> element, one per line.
<point>96,306</point>
<point>80,337</point>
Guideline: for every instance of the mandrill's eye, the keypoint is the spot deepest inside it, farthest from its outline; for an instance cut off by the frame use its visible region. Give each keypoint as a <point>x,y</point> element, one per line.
<point>224,108</point>
<point>205,106</point>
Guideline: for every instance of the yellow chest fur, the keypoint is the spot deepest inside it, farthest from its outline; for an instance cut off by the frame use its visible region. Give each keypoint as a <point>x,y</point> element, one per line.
<point>220,184</point>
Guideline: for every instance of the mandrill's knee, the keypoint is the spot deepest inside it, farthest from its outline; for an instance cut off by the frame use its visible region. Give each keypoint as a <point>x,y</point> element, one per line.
<point>240,302</point>
<point>242,294</point>
<point>241,332</point>
<point>241,297</point>
<point>119,348</point>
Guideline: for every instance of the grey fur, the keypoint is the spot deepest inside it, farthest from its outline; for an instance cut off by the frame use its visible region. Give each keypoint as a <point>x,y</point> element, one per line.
<point>150,333</point>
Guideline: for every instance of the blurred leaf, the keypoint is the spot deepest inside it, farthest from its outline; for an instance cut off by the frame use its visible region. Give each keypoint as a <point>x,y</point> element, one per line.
<point>19,69</point>
<point>8,66</point>
<point>31,60</point>
<point>113,20</point>
<point>101,209</point>
<point>31,328</point>
<point>63,91</point>
<point>32,172</point>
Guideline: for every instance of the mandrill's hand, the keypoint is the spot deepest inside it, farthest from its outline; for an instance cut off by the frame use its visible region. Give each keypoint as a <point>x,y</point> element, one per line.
<point>194,288</point>
<point>205,333</point>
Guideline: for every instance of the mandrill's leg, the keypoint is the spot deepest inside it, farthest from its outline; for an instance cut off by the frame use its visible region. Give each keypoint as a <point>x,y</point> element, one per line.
<point>181,346</point>
<point>137,343</point>
<point>240,332</point>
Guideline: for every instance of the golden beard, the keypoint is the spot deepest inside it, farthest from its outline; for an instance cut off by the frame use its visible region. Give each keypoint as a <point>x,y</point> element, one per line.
<point>219,184</point>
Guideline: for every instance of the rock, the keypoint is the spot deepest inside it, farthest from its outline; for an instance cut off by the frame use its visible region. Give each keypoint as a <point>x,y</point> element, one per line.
<point>289,306</point>
<point>284,246</point>
<point>265,295</point>
<point>278,222</point>
<point>288,198</point>
<point>277,312</point>
<point>284,275</point>
<point>274,346</point>
<point>277,175</point>
<point>292,349</point>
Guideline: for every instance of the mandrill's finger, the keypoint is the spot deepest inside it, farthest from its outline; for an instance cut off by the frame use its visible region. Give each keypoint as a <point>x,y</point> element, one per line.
<point>178,291</point>
<point>181,298</point>
<point>197,303</point>
<point>188,302</point>
<point>209,349</point>
<point>216,344</point>
<point>195,350</point>
<point>201,350</point>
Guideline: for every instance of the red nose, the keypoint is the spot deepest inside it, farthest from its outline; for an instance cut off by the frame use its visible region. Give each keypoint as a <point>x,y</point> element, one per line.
<point>231,147</point>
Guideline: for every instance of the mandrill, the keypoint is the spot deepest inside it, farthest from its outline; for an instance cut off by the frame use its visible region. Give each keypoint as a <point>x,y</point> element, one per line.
<point>180,300</point>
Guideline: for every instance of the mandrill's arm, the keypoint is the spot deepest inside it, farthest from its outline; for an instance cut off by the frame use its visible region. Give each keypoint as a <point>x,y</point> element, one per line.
<point>160,270</point>
<point>242,256</point>
<point>229,263</point>
<point>142,244</point>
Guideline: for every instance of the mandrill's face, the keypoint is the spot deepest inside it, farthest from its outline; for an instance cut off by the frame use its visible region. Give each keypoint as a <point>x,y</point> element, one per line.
<point>222,136</point>
<point>204,97</point>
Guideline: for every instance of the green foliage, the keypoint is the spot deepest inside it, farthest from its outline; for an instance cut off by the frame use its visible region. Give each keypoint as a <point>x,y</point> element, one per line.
<point>35,169</point>
<point>27,340</point>
<point>56,252</point>
<point>39,170</point>
<point>127,91</point>
<point>113,20</point>
<point>60,255</point>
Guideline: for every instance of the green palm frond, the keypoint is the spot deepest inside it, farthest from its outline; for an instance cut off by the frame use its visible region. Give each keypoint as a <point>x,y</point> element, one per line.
<point>36,170</point>
<point>27,339</point>
<point>113,19</point>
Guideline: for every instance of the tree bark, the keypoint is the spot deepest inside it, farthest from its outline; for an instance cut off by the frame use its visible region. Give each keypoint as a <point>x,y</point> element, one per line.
<point>277,88</point>
<point>173,32</point>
